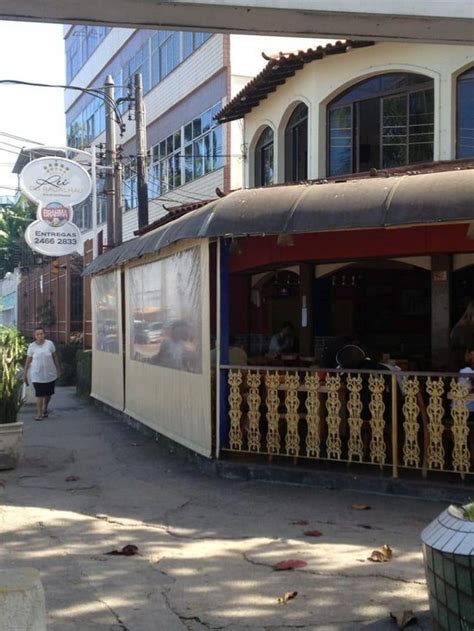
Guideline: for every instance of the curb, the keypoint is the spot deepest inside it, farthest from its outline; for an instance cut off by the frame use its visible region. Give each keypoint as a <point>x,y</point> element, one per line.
<point>430,490</point>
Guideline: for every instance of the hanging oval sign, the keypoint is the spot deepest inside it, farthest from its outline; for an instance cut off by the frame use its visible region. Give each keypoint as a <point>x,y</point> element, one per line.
<point>55,180</point>
<point>54,214</point>
<point>49,241</point>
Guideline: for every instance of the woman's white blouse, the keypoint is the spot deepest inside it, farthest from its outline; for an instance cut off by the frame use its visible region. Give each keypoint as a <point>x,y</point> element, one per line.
<point>43,368</point>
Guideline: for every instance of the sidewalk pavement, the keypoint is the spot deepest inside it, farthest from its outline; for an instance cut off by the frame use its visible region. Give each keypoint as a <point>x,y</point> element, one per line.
<point>206,545</point>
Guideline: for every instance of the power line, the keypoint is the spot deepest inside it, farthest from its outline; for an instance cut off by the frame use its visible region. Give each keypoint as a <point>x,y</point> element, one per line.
<point>15,137</point>
<point>194,195</point>
<point>92,91</point>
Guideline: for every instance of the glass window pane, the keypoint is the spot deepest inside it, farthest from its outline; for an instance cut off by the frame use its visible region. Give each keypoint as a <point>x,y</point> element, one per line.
<point>340,140</point>
<point>206,120</point>
<point>177,170</point>
<point>207,153</point>
<point>465,115</point>
<point>188,163</point>
<point>169,145</point>
<point>177,140</point>
<point>267,165</point>
<point>394,155</point>
<point>218,149</point>
<point>162,148</point>
<point>394,131</point>
<point>196,127</point>
<point>164,179</point>
<point>198,150</point>
<point>188,132</point>
<point>421,126</point>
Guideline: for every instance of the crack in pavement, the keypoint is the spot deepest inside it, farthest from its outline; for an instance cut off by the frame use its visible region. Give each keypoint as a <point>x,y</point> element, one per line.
<point>183,619</point>
<point>397,579</point>
<point>84,574</point>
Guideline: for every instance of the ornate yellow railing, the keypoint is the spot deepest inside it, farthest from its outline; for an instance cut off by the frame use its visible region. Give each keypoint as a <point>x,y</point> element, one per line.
<point>390,419</point>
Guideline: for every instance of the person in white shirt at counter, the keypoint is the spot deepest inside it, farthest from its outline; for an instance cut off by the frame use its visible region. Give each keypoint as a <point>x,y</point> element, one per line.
<point>42,368</point>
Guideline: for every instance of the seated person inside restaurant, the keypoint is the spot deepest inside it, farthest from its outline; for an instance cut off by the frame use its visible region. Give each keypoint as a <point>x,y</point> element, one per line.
<point>237,355</point>
<point>283,342</point>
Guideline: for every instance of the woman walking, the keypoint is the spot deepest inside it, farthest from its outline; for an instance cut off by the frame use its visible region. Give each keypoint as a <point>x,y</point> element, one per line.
<point>45,369</point>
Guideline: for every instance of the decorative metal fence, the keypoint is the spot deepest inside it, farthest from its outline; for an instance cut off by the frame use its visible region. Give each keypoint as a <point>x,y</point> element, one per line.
<point>396,419</point>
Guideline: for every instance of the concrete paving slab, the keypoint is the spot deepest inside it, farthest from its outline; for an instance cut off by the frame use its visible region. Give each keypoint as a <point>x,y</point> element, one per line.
<point>207,545</point>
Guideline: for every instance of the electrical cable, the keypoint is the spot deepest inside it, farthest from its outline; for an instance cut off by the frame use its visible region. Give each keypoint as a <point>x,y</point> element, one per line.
<point>93,91</point>
<point>15,137</point>
<point>194,195</point>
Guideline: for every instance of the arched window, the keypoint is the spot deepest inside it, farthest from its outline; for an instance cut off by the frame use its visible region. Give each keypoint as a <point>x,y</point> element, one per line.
<point>264,158</point>
<point>386,121</point>
<point>296,145</point>
<point>465,115</point>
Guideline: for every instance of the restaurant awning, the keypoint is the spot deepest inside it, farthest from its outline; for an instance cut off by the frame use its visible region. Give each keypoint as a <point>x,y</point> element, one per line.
<point>376,202</point>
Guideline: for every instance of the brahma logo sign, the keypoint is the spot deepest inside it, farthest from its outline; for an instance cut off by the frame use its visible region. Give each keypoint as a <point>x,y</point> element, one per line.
<point>54,214</point>
<point>52,179</point>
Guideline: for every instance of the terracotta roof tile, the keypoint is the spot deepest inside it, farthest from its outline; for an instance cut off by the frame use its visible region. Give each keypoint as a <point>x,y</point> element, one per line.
<point>278,69</point>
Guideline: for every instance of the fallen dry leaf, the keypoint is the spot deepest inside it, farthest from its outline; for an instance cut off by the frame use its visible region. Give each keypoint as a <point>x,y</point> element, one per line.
<point>290,564</point>
<point>286,597</point>
<point>313,533</point>
<point>128,551</point>
<point>72,478</point>
<point>381,554</point>
<point>299,522</point>
<point>403,618</point>
<point>360,507</point>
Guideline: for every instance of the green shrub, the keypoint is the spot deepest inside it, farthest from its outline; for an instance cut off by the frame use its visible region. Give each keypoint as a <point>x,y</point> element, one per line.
<point>12,354</point>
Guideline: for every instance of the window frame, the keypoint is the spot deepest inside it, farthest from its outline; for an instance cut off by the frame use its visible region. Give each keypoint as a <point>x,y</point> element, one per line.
<point>260,148</point>
<point>290,128</point>
<point>422,86</point>
<point>459,80</point>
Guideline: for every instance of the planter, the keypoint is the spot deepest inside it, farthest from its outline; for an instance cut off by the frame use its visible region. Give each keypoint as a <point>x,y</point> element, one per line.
<point>10,444</point>
<point>448,551</point>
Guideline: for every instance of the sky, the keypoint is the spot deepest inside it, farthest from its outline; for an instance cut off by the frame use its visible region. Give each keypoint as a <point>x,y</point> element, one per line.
<point>29,52</point>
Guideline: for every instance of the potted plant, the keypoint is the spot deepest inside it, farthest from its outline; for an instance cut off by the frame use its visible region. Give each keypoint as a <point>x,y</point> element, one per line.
<point>12,353</point>
<point>448,551</point>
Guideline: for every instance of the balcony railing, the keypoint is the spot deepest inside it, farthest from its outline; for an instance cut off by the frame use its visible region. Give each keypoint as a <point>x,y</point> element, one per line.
<point>396,419</point>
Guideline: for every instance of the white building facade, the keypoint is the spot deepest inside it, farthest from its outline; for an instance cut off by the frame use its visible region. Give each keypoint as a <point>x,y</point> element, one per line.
<point>373,105</point>
<point>188,77</point>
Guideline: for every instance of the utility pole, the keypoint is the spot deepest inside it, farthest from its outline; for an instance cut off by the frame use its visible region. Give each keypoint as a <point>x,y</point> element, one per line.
<point>110,158</point>
<point>142,188</point>
<point>118,203</point>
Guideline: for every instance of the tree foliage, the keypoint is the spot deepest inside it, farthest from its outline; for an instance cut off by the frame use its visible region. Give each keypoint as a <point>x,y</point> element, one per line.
<point>13,223</point>
<point>12,352</point>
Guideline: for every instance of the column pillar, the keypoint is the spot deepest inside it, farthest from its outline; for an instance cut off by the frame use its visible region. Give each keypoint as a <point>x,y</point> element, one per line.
<point>441,266</point>
<point>306,309</point>
<point>222,342</point>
